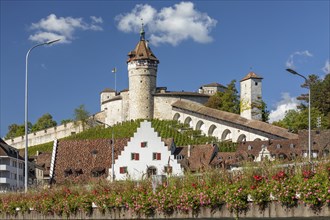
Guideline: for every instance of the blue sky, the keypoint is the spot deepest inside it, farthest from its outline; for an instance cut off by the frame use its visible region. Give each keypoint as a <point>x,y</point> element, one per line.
<point>197,42</point>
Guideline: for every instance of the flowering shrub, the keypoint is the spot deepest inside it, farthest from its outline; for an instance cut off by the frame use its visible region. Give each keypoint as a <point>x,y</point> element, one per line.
<point>236,198</point>
<point>310,186</point>
<point>259,191</point>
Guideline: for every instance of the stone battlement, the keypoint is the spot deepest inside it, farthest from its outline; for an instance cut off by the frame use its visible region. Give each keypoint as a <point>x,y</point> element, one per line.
<point>45,136</point>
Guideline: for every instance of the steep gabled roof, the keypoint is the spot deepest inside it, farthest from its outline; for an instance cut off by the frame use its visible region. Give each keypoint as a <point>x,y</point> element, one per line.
<point>251,75</point>
<point>8,151</point>
<point>199,157</point>
<point>234,118</point>
<point>77,159</point>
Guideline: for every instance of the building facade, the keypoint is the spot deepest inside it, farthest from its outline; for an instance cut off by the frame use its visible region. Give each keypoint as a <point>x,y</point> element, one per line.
<point>11,168</point>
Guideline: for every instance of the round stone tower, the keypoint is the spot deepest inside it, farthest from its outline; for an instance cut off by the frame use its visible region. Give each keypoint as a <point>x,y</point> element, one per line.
<point>142,75</point>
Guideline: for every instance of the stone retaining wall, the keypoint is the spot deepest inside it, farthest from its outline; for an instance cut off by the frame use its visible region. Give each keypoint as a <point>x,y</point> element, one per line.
<point>274,210</point>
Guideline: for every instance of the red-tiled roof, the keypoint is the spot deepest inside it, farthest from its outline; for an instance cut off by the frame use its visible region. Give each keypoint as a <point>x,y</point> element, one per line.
<point>76,159</point>
<point>200,156</point>
<point>251,75</point>
<point>142,52</point>
<point>260,126</point>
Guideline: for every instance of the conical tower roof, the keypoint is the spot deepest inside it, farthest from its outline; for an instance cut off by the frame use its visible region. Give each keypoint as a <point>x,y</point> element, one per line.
<point>142,50</point>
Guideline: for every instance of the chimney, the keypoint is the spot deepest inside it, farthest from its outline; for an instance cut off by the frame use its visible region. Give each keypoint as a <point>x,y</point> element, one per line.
<point>189,150</point>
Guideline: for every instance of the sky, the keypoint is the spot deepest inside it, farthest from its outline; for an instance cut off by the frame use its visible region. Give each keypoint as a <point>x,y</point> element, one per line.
<point>197,42</point>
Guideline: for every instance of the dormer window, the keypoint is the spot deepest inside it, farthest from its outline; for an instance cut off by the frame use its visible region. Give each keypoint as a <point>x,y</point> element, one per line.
<point>94,152</point>
<point>77,172</point>
<point>179,157</point>
<point>97,171</point>
<point>250,147</point>
<point>292,146</point>
<point>67,172</point>
<point>278,146</point>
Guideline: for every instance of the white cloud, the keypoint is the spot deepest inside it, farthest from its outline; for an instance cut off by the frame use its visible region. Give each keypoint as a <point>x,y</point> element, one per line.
<point>169,25</point>
<point>97,19</point>
<point>63,28</point>
<point>290,62</point>
<point>287,103</point>
<point>326,68</point>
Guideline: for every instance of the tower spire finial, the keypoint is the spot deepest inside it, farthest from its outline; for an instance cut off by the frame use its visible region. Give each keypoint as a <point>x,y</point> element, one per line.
<point>142,33</point>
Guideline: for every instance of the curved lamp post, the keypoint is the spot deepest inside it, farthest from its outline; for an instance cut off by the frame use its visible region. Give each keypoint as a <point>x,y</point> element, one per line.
<point>309,110</point>
<point>26,108</point>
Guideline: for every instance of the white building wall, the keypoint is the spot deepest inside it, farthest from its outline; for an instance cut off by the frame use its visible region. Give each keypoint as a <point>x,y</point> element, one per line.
<point>137,169</point>
<point>251,93</point>
<point>105,95</point>
<point>113,111</point>
<point>11,173</point>
<point>234,134</point>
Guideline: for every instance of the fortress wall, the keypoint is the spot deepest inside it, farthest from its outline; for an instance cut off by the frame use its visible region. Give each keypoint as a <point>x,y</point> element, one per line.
<point>163,104</point>
<point>221,126</point>
<point>45,136</point>
<point>113,111</point>
<point>48,135</point>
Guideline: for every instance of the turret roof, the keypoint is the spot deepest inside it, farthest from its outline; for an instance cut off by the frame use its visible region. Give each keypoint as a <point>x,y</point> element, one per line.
<point>251,75</point>
<point>142,51</point>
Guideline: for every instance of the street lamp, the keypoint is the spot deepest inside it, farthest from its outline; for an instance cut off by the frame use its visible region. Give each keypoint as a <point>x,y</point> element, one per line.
<point>309,110</point>
<point>26,107</point>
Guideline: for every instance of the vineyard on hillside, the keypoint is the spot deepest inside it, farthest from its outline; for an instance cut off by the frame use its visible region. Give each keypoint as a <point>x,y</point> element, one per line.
<point>182,134</point>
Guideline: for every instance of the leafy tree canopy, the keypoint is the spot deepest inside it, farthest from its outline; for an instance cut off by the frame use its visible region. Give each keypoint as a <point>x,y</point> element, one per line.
<point>295,120</point>
<point>44,122</point>
<point>81,115</point>
<point>226,101</point>
<point>320,93</point>
<point>15,130</point>
<point>65,121</point>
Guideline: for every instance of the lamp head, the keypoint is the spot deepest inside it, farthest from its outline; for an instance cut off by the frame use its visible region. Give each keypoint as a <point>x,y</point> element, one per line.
<point>52,41</point>
<point>292,71</point>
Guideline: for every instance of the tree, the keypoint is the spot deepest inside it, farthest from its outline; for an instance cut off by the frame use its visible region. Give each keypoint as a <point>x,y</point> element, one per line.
<point>44,122</point>
<point>320,93</point>
<point>296,120</point>
<point>225,101</point>
<point>65,121</point>
<point>15,130</point>
<point>262,107</point>
<point>81,115</point>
